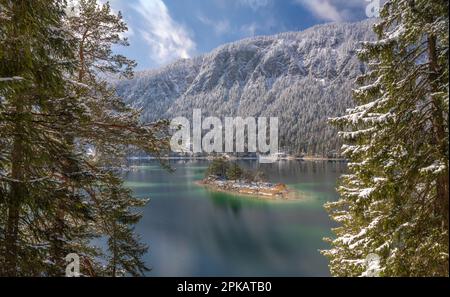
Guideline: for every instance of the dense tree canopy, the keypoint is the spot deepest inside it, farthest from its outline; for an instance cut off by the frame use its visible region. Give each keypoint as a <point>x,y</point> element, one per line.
<point>62,133</point>
<point>395,199</point>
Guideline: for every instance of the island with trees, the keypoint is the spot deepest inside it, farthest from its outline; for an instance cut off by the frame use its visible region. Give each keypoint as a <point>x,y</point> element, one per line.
<point>227,176</point>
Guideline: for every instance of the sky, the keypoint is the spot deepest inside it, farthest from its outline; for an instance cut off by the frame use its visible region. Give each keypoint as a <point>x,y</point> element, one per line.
<point>162,31</point>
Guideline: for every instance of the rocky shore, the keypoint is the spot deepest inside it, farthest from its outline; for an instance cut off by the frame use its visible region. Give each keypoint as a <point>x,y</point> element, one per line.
<point>256,189</point>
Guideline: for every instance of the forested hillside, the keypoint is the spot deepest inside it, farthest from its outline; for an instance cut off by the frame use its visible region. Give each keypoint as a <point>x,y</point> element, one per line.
<point>301,77</point>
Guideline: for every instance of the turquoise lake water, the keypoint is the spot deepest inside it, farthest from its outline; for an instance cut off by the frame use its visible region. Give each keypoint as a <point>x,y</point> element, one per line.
<point>192,231</point>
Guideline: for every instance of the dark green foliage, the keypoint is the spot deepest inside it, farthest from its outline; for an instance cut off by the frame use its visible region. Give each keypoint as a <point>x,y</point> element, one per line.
<point>62,130</point>
<point>35,155</point>
<point>234,172</point>
<point>395,199</point>
<point>115,211</point>
<point>218,167</point>
<point>222,168</point>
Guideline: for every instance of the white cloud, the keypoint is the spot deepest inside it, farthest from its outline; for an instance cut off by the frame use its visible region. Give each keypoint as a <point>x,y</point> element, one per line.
<point>334,10</point>
<point>255,4</point>
<point>167,39</point>
<point>254,28</point>
<point>249,29</point>
<point>220,27</point>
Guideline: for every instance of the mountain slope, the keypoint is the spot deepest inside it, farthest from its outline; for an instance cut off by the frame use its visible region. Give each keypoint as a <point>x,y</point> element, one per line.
<point>301,77</point>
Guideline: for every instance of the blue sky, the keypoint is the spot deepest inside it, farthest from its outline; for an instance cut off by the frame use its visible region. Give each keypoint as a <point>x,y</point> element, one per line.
<point>162,31</point>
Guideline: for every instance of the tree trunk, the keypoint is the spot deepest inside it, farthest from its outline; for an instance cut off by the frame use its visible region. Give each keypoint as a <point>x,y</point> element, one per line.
<point>16,196</point>
<point>442,181</point>
<point>114,251</point>
<point>57,250</point>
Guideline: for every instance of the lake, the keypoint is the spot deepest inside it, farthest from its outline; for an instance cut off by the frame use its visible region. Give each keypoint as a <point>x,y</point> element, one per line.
<point>192,231</point>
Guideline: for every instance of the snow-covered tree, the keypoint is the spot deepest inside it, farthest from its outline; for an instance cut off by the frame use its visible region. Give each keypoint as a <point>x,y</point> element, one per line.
<point>109,129</point>
<point>394,200</point>
<point>117,219</point>
<point>60,134</point>
<point>96,29</point>
<point>35,59</point>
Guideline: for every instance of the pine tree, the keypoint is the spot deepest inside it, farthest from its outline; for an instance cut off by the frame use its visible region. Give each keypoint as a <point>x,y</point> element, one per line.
<point>97,29</point>
<point>394,200</point>
<point>118,219</point>
<point>61,133</point>
<point>218,167</point>
<point>110,128</point>
<point>35,57</point>
<point>234,171</point>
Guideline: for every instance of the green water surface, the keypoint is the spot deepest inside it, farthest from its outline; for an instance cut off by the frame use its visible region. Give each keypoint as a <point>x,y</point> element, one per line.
<point>192,231</point>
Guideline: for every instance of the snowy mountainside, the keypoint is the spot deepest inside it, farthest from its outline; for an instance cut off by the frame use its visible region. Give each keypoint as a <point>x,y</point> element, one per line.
<point>301,77</point>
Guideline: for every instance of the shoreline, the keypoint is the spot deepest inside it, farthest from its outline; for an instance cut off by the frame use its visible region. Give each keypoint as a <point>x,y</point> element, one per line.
<point>288,195</point>
<point>241,158</point>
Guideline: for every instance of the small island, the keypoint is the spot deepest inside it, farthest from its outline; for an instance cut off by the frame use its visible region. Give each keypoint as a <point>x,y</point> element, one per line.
<point>225,176</point>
